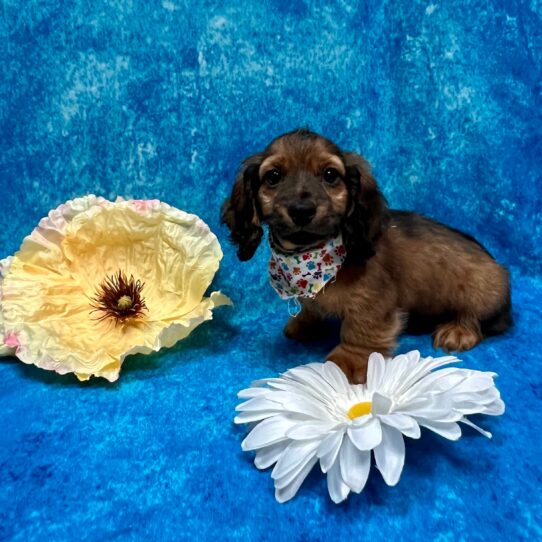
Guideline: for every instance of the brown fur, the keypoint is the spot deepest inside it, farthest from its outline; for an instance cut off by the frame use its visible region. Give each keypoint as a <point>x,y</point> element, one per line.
<point>399,265</point>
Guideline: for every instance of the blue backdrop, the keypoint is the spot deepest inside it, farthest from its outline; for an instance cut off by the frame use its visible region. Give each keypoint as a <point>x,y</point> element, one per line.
<point>162,100</point>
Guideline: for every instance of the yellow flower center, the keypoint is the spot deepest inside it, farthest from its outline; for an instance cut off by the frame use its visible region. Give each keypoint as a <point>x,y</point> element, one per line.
<point>359,409</point>
<point>125,302</point>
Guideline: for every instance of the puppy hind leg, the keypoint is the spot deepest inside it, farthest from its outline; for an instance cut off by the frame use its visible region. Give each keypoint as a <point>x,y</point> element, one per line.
<point>463,333</point>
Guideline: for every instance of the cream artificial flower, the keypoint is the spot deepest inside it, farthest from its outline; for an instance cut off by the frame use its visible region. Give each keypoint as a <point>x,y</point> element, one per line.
<point>97,281</point>
<point>313,414</point>
<point>6,346</point>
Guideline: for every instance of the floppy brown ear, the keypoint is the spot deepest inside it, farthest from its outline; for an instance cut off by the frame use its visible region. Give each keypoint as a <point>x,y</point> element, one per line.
<point>367,214</point>
<point>240,213</point>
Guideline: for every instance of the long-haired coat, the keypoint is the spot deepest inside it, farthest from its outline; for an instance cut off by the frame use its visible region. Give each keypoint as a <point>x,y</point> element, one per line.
<point>398,265</point>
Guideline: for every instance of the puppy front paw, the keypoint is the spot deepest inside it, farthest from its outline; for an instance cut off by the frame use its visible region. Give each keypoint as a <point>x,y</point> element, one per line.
<point>353,363</point>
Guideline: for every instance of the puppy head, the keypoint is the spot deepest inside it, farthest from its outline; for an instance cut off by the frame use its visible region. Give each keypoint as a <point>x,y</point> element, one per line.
<point>307,191</point>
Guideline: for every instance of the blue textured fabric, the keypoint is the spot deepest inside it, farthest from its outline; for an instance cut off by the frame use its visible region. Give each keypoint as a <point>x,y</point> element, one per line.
<point>163,100</point>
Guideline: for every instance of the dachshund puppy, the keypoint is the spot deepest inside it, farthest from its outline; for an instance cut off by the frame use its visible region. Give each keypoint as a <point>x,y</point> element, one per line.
<point>399,266</point>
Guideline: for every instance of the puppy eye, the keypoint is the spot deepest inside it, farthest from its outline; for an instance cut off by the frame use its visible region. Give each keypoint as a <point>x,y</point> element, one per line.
<point>331,176</point>
<point>272,177</point>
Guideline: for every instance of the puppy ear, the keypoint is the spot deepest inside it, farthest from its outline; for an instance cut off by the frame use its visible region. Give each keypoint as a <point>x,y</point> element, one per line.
<point>240,213</point>
<point>367,215</point>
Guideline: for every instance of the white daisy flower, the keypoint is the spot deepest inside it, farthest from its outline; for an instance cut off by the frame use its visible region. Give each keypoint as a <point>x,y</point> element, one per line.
<point>313,414</point>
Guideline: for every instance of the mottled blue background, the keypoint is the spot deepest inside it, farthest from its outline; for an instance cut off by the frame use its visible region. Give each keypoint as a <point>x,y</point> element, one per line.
<point>162,100</point>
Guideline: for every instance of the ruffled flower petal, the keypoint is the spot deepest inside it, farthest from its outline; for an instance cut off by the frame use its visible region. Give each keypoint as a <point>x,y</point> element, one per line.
<point>48,292</point>
<point>8,343</point>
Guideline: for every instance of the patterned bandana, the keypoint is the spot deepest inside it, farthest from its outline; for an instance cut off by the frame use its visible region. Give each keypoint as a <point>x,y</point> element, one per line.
<point>304,274</point>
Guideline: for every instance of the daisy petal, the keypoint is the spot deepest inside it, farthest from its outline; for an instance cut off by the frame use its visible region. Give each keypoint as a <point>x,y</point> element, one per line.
<point>265,457</point>
<point>252,392</point>
<point>407,425</point>
<point>338,490</point>
<point>330,442</point>
<point>355,466</point>
<point>300,404</point>
<point>450,430</point>
<point>367,436</point>
<point>376,371</point>
<point>309,378</point>
<point>328,459</point>
<point>440,410</point>
<point>421,370</point>
<point>257,403</point>
<point>390,455</point>
<point>249,417</point>
<point>336,377</point>
<point>286,493</point>
<point>413,356</point>
<point>496,408</point>
<point>310,430</point>
<point>381,404</point>
<point>476,381</point>
<point>398,370</point>
<point>270,431</point>
<point>292,462</point>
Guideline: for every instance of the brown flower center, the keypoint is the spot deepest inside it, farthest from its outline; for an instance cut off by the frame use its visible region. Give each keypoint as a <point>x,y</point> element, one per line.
<point>119,298</point>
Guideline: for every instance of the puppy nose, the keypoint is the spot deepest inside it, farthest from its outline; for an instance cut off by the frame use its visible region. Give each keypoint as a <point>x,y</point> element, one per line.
<point>302,212</point>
